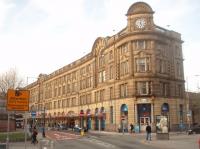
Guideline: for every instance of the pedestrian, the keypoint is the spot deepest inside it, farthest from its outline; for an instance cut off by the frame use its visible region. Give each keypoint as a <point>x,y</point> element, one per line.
<point>131,128</point>
<point>34,136</point>
<point>148,131</point>
<point>119,128</point>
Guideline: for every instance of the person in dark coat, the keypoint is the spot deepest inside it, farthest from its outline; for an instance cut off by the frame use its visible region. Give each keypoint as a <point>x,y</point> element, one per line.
<point>131,128</point>
<point>148,131</point>
<point>34,136</point>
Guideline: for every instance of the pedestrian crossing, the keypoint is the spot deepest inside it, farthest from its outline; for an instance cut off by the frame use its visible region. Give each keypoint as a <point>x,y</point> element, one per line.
<point>94,140</point>
<point>60,136</point>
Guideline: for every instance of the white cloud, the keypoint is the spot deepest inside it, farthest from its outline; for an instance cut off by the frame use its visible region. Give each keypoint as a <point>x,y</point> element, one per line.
<point>4,8</point>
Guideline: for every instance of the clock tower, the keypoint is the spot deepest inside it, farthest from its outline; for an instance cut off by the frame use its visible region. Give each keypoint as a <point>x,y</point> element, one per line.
<point>140,17</point>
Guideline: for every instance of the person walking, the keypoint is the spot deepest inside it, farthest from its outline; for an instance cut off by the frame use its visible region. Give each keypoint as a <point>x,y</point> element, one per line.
<point>34,136</point>
<point>148,131</point>
<point>131,127</point>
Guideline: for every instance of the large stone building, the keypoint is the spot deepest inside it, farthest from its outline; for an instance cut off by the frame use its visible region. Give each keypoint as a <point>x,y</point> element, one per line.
<point>130,77</point>
<point>194,105</point>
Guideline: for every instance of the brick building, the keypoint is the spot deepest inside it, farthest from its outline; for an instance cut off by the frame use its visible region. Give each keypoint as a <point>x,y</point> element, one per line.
<point>129,77</point>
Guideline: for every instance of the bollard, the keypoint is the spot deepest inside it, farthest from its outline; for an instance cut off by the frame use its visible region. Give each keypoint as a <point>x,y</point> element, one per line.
<point>199,143</point>
<point>82,132</point>
<point>52,145</point>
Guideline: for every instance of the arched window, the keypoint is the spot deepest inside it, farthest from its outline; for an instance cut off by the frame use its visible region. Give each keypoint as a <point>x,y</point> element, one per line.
<point>165,108</point>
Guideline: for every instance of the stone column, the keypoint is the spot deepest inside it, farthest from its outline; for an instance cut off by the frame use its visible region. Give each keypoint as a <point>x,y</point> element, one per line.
<point>136,113</point>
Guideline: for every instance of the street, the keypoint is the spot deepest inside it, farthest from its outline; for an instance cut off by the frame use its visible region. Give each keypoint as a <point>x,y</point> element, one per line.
<point>97,141</point>
<point>109,140</point>
<point>119,141</point>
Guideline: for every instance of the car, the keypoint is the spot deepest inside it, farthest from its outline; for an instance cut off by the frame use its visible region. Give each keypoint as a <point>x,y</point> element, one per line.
<point>60,127</point>
<point>63,127</point>
<point>194,130</point>
<point>77,128</point>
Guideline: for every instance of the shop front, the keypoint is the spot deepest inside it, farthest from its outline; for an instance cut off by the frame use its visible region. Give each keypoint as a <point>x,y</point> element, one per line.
<point>88,119</point>
<point>144,115</point>
<point>124,118</point>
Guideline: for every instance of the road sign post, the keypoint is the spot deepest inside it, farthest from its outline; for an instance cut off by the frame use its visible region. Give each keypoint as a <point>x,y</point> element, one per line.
<point>18,100</point>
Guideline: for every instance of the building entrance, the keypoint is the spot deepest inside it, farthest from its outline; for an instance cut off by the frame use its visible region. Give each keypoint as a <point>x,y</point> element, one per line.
<point>143,123</point>
<point>144,115</point>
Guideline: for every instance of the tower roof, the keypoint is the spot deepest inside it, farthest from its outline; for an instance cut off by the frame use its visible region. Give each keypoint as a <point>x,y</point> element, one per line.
<point>139,8</point>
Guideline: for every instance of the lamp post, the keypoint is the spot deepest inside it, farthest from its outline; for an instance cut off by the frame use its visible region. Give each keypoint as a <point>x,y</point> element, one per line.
<point>43,129</point>
<point>33,110</point>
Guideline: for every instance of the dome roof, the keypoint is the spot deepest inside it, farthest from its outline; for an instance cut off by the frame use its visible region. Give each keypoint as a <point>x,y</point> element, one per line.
<point>139,8</point>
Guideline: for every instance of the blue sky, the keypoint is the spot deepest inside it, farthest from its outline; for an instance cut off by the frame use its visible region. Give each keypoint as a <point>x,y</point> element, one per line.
<point>41,36</point>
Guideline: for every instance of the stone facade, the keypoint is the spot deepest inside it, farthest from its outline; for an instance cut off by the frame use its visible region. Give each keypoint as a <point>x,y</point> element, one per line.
<point>194,105</point>
<point>130,77</point>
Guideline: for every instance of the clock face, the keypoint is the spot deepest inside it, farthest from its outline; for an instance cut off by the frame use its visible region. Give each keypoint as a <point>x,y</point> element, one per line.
<point>140,23</point>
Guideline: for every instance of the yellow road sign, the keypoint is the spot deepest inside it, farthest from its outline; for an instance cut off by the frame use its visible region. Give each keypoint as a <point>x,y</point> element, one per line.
<point>18,100</point>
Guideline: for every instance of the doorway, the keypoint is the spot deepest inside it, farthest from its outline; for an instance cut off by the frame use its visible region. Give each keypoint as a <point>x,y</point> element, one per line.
<point>143,123</point>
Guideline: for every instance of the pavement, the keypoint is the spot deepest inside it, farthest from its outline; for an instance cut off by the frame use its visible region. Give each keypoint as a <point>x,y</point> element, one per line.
<point>42,142</point>
<point>176,141</point>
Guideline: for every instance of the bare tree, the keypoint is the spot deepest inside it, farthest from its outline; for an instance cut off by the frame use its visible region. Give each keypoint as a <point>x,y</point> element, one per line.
<point>10,80</point>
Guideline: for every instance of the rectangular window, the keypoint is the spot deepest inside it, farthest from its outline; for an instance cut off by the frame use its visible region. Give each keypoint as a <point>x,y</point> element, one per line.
<point>88,68</point>
<point>97,96</point>
<point>63,103</point>
<point>59,91</point>
<point>111,72</point>
<point>178,69</point>
<point>55,104</point>
<point>179,91</point>
<point>102,95</point>
<point>74,75</point>
<point>63,89</point>
<point>73,101</point>
<point>68,88</point>
<point>164,89</point>
<point>102,76</point>
<point>102,60</point>
<point>68,77</point>
<point>143,88</point>
<point>67,102</point>
<point>73,87</point>
<point>142,64</point>
<point>124,68</point>
<point>111,93</point>
<point>88,99</point>
<point>124,49</point>
<point>55,92</point>
<point>111,55</point>
<point>124,90</point>
<point>140,45</point>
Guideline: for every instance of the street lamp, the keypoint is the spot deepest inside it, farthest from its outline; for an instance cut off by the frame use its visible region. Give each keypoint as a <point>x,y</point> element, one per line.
<point>43,129</point>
